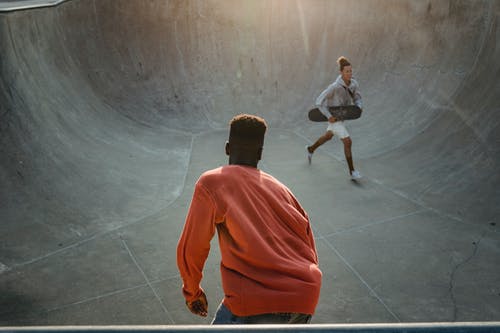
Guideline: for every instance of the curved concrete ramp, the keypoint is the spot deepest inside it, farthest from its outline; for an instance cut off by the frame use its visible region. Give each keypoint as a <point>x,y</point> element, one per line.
<point>110,110</point>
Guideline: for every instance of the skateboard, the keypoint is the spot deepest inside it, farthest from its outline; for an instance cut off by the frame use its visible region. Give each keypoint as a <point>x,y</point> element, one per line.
<point>348,112</point>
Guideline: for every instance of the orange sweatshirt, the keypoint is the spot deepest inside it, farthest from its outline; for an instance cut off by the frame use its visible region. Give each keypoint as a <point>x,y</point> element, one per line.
<point>268,255</point>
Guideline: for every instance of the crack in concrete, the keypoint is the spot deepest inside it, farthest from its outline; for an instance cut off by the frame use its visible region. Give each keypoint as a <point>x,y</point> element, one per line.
<point>454,272</point>
<point>372,291</point>
<point>147,281</point>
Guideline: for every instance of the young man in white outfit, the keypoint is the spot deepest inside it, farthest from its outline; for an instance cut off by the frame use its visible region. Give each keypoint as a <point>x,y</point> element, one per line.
<point>344,91</point>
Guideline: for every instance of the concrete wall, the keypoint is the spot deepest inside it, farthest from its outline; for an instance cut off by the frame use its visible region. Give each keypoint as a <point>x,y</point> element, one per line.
<point>97,97</point>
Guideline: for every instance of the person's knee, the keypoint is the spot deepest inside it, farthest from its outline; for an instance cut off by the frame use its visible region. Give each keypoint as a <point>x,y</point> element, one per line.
<point>328,135</point>
<point>347,142</point>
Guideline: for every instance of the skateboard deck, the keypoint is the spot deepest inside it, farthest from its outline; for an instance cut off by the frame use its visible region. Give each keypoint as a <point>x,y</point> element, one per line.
<point>348,112</point>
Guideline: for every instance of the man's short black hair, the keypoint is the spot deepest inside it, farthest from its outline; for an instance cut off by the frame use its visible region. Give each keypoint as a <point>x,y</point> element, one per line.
<point>247,130</point>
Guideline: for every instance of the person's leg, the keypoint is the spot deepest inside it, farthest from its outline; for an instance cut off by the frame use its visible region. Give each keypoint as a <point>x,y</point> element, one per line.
<point>322,139</point>
<point>277,318</point>
<point>348,153</point>
<point>342,132</point>
<point>225,317</point>
<point>355,175</point>
<point>300,318</point>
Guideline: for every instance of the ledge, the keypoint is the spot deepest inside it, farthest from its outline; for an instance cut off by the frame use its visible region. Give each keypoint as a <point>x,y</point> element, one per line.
<point>465,327</point>
<point>9,6</point>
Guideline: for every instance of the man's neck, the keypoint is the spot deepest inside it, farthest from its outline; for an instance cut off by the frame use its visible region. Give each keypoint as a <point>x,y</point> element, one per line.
<point>245,162</point>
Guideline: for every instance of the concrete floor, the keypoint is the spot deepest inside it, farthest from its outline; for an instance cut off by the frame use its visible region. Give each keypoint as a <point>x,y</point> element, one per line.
<point>110,111</point>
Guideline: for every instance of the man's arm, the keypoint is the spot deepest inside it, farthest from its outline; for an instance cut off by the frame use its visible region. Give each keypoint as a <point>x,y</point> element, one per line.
<point>193,248</point>
<point>321,101</point>
<point>309,229</point>
<point>357,99</point>
<point>356,96</point>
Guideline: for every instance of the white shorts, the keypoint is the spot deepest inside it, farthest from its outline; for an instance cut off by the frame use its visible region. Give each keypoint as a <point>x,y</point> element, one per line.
<point>338,128</point>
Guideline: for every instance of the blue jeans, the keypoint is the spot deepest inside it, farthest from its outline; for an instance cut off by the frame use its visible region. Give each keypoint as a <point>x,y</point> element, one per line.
<point>224,317</point>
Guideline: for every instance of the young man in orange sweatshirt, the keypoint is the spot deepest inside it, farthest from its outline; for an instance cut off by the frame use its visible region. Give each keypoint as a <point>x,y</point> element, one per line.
<point>269,265</point>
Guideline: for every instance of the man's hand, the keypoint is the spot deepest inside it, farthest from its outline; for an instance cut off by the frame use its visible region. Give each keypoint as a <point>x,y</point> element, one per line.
<point>199,306</point>
<point>332,119</point>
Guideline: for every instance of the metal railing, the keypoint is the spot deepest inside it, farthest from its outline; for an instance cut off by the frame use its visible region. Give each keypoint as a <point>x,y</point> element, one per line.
<point>473,327</point>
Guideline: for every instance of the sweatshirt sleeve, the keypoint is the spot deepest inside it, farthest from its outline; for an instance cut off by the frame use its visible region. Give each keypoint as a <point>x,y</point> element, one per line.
<point>194,244</point>
<point>321,101</point>
<point>358,101</point>
<point>310,233</point>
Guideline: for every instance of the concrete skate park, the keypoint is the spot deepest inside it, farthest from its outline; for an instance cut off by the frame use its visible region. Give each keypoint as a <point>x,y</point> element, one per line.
<point>111,110</point>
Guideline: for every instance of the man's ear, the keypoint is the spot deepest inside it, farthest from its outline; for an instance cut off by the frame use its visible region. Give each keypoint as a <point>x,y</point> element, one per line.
<point>228,150</point>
